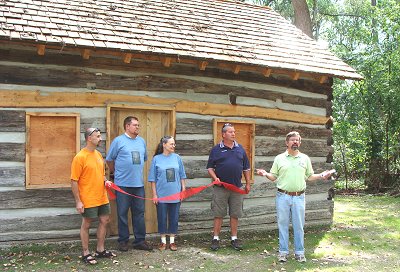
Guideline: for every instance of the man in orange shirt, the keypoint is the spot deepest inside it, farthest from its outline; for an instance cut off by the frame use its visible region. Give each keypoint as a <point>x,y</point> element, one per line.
<point>89,188</point>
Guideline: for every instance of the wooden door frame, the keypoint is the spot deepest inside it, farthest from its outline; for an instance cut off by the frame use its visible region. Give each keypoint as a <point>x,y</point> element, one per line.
<point>144,108</point>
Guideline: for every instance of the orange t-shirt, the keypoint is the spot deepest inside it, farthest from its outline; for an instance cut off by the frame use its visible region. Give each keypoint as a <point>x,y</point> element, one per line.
<point>88,170</point>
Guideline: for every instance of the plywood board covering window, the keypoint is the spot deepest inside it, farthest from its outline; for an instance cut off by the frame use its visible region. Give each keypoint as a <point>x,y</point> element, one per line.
<point>53,139</point>
<point>244,134</point>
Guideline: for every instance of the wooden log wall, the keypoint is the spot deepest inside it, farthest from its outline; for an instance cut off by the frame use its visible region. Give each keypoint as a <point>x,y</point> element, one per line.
<point>66,83</point>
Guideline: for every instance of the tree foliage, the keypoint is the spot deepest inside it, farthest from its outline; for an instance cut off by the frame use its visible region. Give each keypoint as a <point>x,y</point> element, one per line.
<point>366,35</point>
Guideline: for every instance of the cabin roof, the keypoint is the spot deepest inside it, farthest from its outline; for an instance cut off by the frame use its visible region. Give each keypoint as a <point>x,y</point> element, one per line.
<point>202,31</point>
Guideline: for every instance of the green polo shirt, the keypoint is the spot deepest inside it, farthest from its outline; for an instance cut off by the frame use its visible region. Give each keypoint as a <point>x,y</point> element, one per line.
<point>292,172</point>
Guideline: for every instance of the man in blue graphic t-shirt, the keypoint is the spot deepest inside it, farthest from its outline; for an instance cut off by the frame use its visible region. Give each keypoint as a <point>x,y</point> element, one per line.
<point>126,158</point>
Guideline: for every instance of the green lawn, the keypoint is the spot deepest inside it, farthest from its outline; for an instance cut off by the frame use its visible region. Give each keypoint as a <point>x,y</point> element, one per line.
<point>365,236</point>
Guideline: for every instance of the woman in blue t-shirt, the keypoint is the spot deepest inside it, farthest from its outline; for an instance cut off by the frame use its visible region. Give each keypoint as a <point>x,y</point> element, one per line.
<point>167,177</point>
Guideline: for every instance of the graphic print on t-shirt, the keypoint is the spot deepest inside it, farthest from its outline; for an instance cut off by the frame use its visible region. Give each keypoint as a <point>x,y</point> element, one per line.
<point>170,174</point>
<point>135,157</point>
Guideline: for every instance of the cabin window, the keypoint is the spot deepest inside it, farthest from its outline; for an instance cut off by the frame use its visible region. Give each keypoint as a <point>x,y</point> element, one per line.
<point>245,132</point>
<point>52,140</point>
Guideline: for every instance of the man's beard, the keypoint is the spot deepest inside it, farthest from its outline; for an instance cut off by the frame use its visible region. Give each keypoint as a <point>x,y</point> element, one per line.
<point>294,147</point>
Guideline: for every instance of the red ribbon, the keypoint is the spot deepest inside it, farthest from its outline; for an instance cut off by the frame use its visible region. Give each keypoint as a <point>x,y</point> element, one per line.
<point>181,195</point>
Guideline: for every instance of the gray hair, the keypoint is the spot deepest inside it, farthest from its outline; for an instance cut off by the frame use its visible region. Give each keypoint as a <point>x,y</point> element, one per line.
<point>164,140</point>
<point>292,134</point>
<point>225,127</point>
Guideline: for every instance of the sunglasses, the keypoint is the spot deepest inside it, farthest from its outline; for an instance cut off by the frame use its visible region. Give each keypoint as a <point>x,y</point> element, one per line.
<point>227,125</point>
<point>94,130</point>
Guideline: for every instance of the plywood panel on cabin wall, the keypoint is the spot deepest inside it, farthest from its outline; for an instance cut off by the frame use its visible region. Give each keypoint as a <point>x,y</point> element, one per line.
<point>51,146</point>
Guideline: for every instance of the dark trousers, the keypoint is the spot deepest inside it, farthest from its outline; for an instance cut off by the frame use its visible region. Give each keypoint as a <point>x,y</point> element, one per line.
<point>124,203</point>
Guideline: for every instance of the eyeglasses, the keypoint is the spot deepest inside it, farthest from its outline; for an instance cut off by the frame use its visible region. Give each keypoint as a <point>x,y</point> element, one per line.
<point>94,130</point>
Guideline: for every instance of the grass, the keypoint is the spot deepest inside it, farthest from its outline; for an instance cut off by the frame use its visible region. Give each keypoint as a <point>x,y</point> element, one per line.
<point>365,236</point>
<point>357,185</point>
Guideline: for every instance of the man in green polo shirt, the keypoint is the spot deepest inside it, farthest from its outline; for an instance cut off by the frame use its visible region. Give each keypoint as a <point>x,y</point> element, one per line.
<point>291,170</point>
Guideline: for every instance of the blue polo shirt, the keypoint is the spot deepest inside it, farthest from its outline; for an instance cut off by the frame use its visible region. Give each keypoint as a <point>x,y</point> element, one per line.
<point>129,155</point>
<point>229,163</point>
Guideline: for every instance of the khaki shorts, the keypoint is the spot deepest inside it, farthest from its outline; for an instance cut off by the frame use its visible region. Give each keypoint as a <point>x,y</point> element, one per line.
<point>222,198</point>
<point>95,212</point>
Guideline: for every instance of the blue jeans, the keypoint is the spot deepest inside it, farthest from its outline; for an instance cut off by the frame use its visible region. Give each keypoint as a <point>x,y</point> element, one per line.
<point>124,202</point>
<point>290,206</point>
<point>168,217</point>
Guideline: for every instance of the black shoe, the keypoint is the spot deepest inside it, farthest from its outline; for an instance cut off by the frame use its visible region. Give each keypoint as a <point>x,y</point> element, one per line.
<point>123,246</point>
<point>236,244</point>
<point>214,245</point>
<point>143,246</point>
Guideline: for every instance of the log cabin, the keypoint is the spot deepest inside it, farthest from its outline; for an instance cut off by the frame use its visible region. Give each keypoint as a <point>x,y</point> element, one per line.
<point>183,67</point>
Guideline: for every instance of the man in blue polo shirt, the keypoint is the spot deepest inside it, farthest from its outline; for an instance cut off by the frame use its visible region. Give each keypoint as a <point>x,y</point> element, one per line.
<point>227,162</point>
<point>126,159</point>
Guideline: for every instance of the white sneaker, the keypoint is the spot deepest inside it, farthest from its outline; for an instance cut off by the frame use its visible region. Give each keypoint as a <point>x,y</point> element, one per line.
<point>282,257</point>
<point>300,258</point>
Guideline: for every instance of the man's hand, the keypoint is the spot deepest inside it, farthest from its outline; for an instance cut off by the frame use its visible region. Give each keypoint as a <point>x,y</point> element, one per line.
<point>327,173</point>
<point>79,207</point>
<point>108,183</point>
<point>261,172</point>
<point>218,181</point>
<point>247,188</point>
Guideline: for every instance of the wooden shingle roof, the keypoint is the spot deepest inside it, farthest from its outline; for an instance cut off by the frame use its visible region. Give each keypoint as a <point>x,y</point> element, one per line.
<point>202,30</point>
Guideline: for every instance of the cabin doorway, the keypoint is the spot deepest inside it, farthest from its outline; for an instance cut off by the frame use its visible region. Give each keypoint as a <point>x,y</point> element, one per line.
<point>154,122</point>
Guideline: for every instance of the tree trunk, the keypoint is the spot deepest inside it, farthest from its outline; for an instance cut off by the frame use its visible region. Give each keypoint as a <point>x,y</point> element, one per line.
<point>302,17</point>
<point>343,152</point>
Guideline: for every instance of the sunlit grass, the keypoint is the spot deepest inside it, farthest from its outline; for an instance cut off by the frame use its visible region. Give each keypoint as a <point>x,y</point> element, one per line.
<point>351,184</point>
<point>366,230</point>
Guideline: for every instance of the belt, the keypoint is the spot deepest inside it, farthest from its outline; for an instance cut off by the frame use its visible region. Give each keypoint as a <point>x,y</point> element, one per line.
<point>291,193</point>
